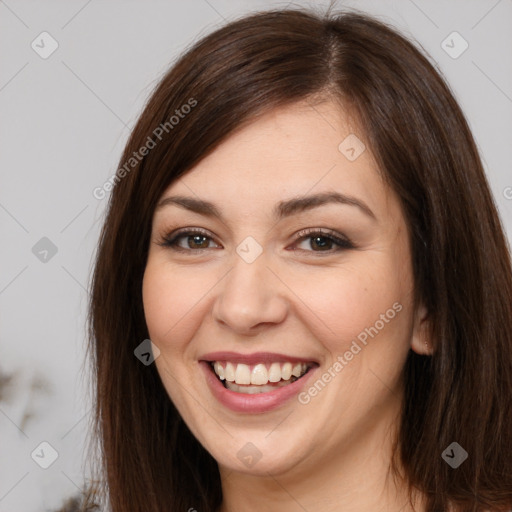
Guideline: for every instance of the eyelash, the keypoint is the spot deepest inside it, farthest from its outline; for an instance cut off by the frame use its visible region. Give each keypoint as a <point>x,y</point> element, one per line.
<point>343,243</point>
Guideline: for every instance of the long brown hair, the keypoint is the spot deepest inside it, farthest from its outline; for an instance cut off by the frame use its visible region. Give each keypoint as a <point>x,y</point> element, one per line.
<point>462,270</point>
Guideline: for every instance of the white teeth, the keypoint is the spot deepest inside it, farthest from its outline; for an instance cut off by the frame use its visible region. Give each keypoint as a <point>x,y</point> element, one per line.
<point>286,371</point>
<point>219,370</point>
<point>297,370</point>
<point>229,372</point>
<point>260,375</point>
<point>253,390</point>
<point>274,373</point>
<point>242,374</point>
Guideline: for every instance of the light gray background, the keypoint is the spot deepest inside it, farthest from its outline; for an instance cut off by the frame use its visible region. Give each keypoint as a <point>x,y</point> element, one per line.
<point>64,121</point>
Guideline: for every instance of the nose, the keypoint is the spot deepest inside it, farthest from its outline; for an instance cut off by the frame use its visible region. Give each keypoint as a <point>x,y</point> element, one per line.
<point>250,298</point>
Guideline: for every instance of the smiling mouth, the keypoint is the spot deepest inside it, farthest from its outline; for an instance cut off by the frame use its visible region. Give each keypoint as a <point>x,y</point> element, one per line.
<point>258,378</point>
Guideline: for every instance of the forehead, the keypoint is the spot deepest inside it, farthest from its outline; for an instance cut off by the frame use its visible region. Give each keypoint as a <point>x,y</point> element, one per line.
<point>291,151</point>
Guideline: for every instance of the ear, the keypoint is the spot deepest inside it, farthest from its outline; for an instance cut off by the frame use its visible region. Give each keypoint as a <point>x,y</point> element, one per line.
<point>421,340</point>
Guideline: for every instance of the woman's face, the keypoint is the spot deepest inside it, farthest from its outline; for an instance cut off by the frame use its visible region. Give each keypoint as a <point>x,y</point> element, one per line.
<point>292,257</point>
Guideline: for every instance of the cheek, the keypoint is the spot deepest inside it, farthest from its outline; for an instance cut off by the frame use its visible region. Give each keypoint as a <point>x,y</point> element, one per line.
<point>173,300</point>
<point>342,303</point>
<point>159,302</point>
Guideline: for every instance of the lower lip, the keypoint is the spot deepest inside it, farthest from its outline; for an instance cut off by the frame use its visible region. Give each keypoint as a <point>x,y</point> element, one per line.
<point>257,403</point>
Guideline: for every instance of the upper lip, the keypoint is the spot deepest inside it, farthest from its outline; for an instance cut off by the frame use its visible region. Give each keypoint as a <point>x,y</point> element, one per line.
<point>254,358</point>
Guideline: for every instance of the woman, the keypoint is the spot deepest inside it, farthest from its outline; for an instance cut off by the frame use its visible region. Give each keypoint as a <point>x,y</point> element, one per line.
<point>302,227</point>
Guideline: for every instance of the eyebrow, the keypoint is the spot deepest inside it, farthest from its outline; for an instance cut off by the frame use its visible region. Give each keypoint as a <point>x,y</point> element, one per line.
<point>281,210</point>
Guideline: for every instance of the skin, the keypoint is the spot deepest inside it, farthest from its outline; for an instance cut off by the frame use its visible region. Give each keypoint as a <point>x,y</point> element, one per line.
<point>334,452</point>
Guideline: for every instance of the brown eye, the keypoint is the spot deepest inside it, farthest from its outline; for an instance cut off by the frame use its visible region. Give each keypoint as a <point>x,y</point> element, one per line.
<point>323,243</point>
<point>196,241</point>
<point>314,240</point>
<point>188,241</point>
